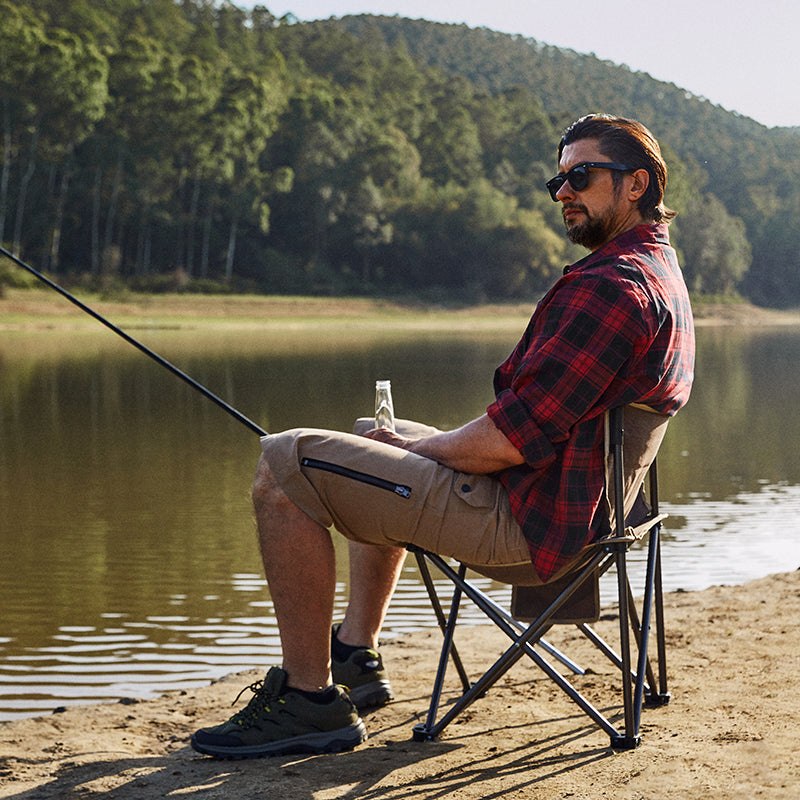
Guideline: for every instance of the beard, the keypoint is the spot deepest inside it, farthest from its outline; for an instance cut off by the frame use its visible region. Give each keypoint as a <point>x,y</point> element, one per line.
<point>592,233</point>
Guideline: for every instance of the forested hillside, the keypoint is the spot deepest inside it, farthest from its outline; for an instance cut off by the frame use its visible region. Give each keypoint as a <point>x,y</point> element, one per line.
<point>192,145</point>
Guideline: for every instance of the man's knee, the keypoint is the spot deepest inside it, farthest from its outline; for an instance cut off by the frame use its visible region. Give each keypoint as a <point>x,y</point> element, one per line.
<point>266,489</point>
<point>270,500</point>
<point>362,425</point>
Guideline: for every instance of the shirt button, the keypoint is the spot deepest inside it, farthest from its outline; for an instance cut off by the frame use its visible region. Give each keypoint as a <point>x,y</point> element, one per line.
<point>465,487</point>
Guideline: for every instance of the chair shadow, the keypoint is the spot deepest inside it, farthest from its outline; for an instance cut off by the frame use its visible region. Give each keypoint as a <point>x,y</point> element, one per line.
<point>502,770</point>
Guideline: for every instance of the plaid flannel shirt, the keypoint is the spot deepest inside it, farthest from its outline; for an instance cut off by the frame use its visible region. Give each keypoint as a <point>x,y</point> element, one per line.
<point>615,329</point>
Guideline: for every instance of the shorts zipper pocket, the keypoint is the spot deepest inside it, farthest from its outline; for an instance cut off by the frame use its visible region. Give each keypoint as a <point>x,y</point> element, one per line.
<point>372,480</point>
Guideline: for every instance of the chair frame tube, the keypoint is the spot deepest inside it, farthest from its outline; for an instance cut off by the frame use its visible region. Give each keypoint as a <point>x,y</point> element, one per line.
<point>637,684</point>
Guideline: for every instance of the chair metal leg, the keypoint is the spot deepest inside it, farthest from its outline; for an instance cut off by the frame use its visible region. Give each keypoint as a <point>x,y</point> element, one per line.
<point>636,627</point>
<point>644,633</point>
<point>443,660</point>
<point>431,729</point>
<point>644,682</point>
<point>422,564</point>
<point>635,682</point>
<point>663,696</point>
<point>630,738</point>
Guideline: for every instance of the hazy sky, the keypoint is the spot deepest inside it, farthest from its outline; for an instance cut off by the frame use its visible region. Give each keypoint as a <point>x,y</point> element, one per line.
<point>743,57</point>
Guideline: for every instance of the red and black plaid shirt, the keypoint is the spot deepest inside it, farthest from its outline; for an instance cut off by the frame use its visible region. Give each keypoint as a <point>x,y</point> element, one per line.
<point>615,329</point>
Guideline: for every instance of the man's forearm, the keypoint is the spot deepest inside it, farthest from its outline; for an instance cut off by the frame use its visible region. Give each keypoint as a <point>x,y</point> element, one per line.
<point>477,447</point>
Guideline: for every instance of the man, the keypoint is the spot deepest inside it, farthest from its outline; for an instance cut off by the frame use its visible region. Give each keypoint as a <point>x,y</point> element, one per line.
<point>519,485</point>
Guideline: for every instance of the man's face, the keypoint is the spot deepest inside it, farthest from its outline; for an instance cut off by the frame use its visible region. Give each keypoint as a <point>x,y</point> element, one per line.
<point>599,212</point>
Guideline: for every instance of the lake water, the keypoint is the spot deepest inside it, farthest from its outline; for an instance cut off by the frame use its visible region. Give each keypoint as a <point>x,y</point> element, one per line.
<point>128,561</point>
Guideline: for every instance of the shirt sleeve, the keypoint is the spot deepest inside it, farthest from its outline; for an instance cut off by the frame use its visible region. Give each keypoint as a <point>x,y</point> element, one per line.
<point>586,335</point>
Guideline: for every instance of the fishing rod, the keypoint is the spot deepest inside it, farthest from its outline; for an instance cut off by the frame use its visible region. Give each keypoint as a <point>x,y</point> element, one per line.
<point>144,349</point>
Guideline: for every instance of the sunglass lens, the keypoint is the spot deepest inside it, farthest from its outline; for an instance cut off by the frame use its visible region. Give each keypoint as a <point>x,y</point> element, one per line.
<point>578,178</point>
<point>554,184</point>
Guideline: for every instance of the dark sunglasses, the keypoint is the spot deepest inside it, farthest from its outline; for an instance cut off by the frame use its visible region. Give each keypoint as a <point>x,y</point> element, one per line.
<point>578,176</point>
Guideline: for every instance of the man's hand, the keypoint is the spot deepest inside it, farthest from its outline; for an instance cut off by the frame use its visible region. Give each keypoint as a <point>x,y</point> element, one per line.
<point>478,447</point>
<point>388,437</point>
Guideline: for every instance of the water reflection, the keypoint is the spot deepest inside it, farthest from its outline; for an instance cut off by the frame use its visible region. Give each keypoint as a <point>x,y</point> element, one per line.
<point>129,562</point>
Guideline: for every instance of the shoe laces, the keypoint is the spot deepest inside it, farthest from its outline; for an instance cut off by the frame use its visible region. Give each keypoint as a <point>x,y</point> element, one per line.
<point>257,703</point>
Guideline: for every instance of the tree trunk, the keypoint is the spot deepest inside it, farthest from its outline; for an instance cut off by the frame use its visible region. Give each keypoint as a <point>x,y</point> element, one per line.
<point>205,254</point>
<point>180,233</point>
<point>6,171</point>
<point>23,193</point>
<point>112,205</point>
<point>190,233</point>
<point>138,260</point>
<point>143,249</point>
<point>58,217</point>
<point>231,250</point>
<point>95,254</point>
<point>148,246</point>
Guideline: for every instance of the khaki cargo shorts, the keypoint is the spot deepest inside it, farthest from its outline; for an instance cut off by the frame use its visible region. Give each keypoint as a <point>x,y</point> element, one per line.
<point>379,494</point>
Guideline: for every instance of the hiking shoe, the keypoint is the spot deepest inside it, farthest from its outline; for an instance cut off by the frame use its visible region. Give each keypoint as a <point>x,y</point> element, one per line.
<point>362,675</point>
<point>279,720</point>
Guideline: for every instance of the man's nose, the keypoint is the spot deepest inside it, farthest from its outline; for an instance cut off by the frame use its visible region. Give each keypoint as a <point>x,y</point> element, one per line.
<point>564,192</point>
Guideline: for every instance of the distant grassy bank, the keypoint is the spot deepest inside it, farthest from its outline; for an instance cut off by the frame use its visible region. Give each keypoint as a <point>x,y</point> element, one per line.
<point>35,308</point>
<point>44,308</point>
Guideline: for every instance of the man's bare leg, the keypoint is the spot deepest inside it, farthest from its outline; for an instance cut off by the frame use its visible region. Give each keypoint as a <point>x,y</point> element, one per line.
<point>300,567</point>
<point>374,572</point>
<point>299,563</point>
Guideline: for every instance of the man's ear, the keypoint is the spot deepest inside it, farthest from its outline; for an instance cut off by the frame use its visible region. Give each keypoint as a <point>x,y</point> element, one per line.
<point>641,180</point>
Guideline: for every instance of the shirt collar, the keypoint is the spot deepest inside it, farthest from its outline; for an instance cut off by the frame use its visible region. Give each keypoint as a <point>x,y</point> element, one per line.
<point>646,233</point>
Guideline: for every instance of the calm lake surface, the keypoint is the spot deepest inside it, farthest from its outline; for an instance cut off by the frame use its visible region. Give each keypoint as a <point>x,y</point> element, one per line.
<point>128,561</point>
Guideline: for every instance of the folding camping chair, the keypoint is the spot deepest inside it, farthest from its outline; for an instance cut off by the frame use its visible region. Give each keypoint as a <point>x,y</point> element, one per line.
<point>574,597</point>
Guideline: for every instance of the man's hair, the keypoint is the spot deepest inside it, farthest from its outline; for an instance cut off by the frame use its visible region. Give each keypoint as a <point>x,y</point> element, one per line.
<point>627,142</point>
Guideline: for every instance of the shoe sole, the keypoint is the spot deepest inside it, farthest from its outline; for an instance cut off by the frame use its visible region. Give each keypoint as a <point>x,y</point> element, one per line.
<point>371,695</point>
<point>325,742</point>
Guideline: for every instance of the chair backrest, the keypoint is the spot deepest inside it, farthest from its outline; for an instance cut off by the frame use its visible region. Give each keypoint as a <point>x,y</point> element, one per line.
<point>641,432</point>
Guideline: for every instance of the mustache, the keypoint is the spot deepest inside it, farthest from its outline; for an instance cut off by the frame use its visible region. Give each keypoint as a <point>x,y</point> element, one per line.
<point>574,207</point>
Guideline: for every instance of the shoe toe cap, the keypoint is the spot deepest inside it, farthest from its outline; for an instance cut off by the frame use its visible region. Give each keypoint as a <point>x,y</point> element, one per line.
<point>211,737</point>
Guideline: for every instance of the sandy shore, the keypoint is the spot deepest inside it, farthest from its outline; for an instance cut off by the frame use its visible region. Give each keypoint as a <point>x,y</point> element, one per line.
<point>731,730</point>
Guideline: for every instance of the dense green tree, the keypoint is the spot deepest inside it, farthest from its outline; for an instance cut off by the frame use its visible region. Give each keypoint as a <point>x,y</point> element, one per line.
<point>774,278</point>
<point>156,141</point>
<point>244,121</point>
<point>22,34</point>
<point>716,253</point>
<point>53,93</point>
<point>474,240</point>
<point>129,163</point>
<point>78,72</point>
<point>97,22</point>
<point>449,142</point>
<point>752,171</point>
